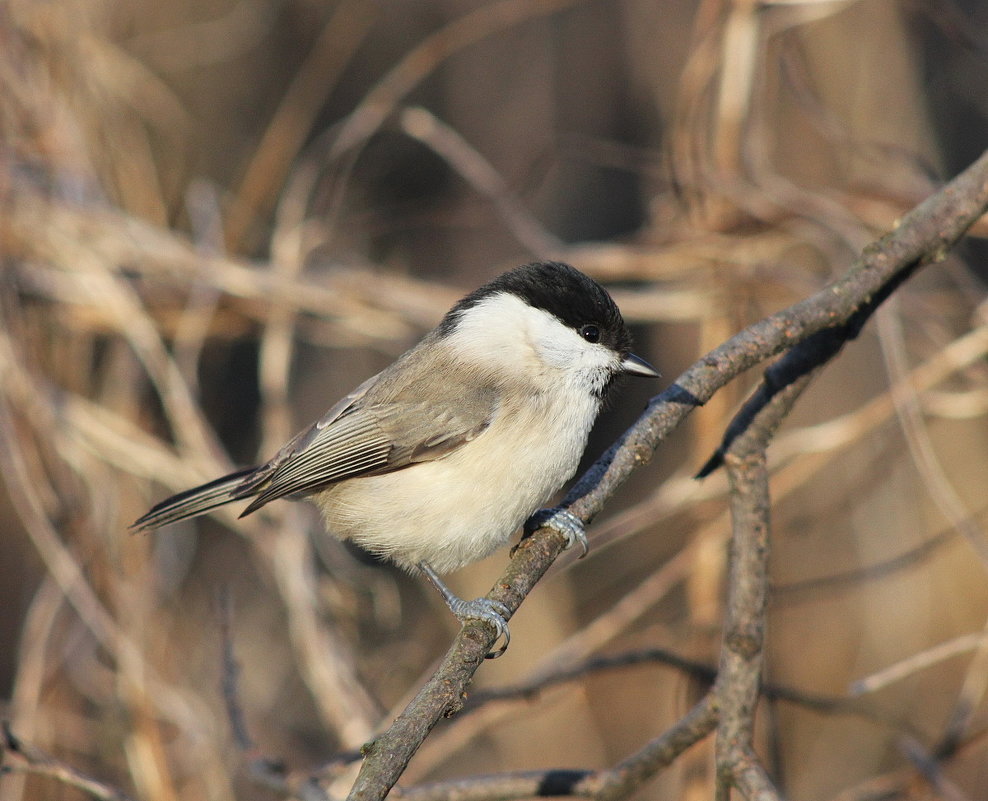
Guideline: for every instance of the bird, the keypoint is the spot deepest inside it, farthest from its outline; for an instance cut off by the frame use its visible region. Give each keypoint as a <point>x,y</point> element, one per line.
<point>437,460</point>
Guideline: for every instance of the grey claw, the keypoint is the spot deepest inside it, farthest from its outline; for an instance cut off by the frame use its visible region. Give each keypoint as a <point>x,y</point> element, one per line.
<point>563,521</point>
<point>493,612</point>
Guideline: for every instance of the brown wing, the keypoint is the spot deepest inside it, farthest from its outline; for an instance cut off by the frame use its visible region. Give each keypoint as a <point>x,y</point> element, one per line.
<point>369,439</point>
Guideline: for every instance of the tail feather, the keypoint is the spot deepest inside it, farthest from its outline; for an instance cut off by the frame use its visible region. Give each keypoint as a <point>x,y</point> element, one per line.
<point>193,502</point>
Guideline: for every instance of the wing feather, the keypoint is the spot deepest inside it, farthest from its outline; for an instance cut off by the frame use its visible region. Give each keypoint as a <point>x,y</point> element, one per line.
<point>365,440</point>
<point>383,425</point>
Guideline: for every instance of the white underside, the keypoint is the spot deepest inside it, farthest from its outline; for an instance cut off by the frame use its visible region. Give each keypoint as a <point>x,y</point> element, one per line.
<point>455,510</point>
<point>467,504</point>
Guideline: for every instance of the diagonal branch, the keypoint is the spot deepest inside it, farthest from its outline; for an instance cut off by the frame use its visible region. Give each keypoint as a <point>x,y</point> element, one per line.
<point>925,235</point>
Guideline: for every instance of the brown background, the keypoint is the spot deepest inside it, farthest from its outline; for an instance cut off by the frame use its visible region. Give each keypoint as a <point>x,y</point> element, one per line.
<point>220,216</point>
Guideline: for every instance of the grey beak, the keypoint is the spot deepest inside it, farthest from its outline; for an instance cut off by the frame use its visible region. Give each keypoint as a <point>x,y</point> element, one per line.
<point>635,365</point>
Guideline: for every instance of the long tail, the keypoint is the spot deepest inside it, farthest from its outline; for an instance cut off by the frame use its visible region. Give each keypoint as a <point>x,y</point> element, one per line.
<point>195,501</point>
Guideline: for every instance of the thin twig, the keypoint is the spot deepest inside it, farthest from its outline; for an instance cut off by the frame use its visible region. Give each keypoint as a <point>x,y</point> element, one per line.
<point>916,662</point>
<point>445,141</point>
<point>37,762</point>
<point>292,122</point>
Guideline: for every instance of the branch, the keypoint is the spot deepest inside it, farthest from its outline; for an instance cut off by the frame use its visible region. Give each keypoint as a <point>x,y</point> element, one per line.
<point>700,672</point>
<point>442,696</point>
<point>925,235</point>
<point>742,652</point>
<point>604,785</point>
<point>37,762</point>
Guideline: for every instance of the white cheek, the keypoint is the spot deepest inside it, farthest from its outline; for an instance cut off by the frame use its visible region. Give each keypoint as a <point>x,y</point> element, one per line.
<point>506,331</point>
<point>564,349</point>
<point>586,364</point>
<point>494,334</point>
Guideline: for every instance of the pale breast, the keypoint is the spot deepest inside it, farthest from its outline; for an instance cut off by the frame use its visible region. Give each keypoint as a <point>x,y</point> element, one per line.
<point>455,510</point>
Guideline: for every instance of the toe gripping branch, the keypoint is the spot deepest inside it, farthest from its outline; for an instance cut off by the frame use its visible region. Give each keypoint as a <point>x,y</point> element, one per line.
<point>493,612</point>
<point>564,522</point>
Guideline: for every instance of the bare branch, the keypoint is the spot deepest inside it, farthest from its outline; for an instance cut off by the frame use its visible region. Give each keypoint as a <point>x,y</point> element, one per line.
<point>629,774</point>
<point>924,236</point>
<point>742,652</point>
<point>37,762</point>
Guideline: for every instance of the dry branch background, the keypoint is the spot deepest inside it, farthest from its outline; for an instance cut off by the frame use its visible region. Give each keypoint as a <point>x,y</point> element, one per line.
<point>217,217</point>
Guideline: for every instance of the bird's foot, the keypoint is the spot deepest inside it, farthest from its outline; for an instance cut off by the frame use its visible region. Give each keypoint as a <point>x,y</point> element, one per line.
<point>493,612</point>
<point>563,521</point>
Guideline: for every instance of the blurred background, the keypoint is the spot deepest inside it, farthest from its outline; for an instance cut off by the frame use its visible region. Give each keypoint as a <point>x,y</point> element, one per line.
<point>217,217</point>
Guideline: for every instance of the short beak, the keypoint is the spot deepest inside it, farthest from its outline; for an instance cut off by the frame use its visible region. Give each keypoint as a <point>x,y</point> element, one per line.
<point>635,365</point>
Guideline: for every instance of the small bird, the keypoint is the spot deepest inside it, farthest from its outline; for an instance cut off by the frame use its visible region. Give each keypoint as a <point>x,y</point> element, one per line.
<point>437,460</point>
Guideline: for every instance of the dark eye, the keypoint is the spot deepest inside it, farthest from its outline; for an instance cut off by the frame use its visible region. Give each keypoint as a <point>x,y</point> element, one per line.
<point>590,333</point>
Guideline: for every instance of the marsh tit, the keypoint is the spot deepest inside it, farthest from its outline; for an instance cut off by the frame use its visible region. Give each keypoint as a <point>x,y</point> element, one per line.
<point>438,459</point>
